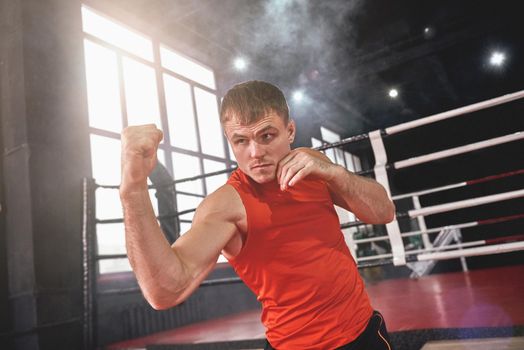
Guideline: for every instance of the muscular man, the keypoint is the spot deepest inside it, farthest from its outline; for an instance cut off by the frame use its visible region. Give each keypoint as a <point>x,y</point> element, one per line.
<point>273,220</point>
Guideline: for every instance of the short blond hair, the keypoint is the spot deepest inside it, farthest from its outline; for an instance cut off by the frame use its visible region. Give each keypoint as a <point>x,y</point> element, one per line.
<point>251,101</point>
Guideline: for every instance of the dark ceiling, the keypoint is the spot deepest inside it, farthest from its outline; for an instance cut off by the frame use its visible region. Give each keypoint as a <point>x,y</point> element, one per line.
<point>347,55</point>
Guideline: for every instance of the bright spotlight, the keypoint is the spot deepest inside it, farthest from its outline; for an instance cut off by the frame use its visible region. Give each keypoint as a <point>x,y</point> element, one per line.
<point>240,63</point>
<point>298,96</point>
<point>429,32</point>
<point>393,93</point>
<point>497,58</point>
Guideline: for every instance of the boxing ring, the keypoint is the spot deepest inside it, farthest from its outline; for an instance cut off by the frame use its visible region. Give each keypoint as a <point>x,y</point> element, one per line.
<point>418,248</point>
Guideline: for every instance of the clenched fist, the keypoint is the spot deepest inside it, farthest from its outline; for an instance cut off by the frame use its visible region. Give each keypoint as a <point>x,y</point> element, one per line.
<point>139,147</point>
<point>302,162</point>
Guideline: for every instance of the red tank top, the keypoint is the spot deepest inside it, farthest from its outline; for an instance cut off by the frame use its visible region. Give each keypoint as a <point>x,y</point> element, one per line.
<point>295,260</point>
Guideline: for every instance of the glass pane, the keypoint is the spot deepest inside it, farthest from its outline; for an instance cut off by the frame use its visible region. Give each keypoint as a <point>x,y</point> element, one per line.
<point>185,166</point>
<point>356,162</point>
<point>315,142</point>
<point>108,204</point>
<point>349,161</point>
<point>105,160</point>
<point>231,154</point>
<point>187,67</point>
<point>328,135</point>
<point>209,123</point>
<point>114,265</point>
<point>330,152</point>
<point>111,239</point>
<point>214,182</point>
<point>340,157</point>
<point>184,227</point>
<point>185,202</point>
<point>141,93</point>
<point>116,34</point>
<point>180,114</point>
<point>103,95</point>
<point>161,157</point>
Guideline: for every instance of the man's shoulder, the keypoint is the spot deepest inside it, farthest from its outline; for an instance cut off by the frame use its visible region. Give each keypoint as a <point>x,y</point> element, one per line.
<point>222,194</point>
<point>224,201</point>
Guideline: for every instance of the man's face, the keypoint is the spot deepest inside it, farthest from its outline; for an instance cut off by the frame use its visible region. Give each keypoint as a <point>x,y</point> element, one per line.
<point>259,147</point>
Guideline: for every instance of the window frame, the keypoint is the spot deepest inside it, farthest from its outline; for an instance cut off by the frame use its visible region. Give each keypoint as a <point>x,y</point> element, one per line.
<point>159,71</point>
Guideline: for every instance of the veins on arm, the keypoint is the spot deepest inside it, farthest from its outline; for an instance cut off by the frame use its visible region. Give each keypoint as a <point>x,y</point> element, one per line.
<point>365,197</point>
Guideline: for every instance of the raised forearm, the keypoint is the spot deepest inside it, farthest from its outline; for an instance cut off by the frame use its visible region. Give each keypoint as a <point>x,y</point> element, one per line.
<point>366,198</point>
<point>159,271</point>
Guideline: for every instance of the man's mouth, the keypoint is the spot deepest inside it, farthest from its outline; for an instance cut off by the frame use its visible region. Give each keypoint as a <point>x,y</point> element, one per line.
<point>259,166</point>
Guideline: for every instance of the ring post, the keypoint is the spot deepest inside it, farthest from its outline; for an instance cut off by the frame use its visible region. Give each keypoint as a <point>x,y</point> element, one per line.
<point>381,159</point>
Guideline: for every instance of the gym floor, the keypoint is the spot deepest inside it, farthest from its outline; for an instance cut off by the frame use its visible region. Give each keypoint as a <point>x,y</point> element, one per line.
<point>476,304</point>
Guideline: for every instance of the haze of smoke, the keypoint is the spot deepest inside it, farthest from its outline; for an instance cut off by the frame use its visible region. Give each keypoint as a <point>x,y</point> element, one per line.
<point>306,31</point>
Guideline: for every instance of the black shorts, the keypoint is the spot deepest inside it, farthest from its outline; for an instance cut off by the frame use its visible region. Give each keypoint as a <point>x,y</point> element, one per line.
<point>375,336</point>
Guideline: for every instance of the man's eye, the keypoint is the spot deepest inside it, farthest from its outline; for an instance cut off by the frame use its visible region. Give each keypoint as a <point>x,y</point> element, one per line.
<point>267,136</point>
<point>240,142</point>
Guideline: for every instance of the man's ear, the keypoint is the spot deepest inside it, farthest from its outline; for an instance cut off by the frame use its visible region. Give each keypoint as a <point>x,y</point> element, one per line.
<point>291,130</point>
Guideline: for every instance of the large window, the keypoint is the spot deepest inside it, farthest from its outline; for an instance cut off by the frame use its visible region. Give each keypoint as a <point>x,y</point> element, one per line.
<point>131,80</point>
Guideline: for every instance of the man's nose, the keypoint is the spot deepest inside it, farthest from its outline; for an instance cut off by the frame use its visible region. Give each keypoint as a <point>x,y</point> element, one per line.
<point>256,150</point>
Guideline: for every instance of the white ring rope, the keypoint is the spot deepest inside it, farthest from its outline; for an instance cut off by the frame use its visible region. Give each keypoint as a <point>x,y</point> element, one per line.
<point>425,250</point>
<point>460,184</point>
<point>455,112</point>
<point>447,227</point>
<point>458,150</point>
<point>475,248</point>
<point>484,250</point>
<point>472,202</point>
<point>428,191</point>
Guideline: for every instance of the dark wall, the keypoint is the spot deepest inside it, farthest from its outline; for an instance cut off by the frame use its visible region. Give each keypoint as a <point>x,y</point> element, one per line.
<point>4,310</point>
<point>45,156</point>
<point>57,124</point>
<point>20,287</point>
<point>127,315</point>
